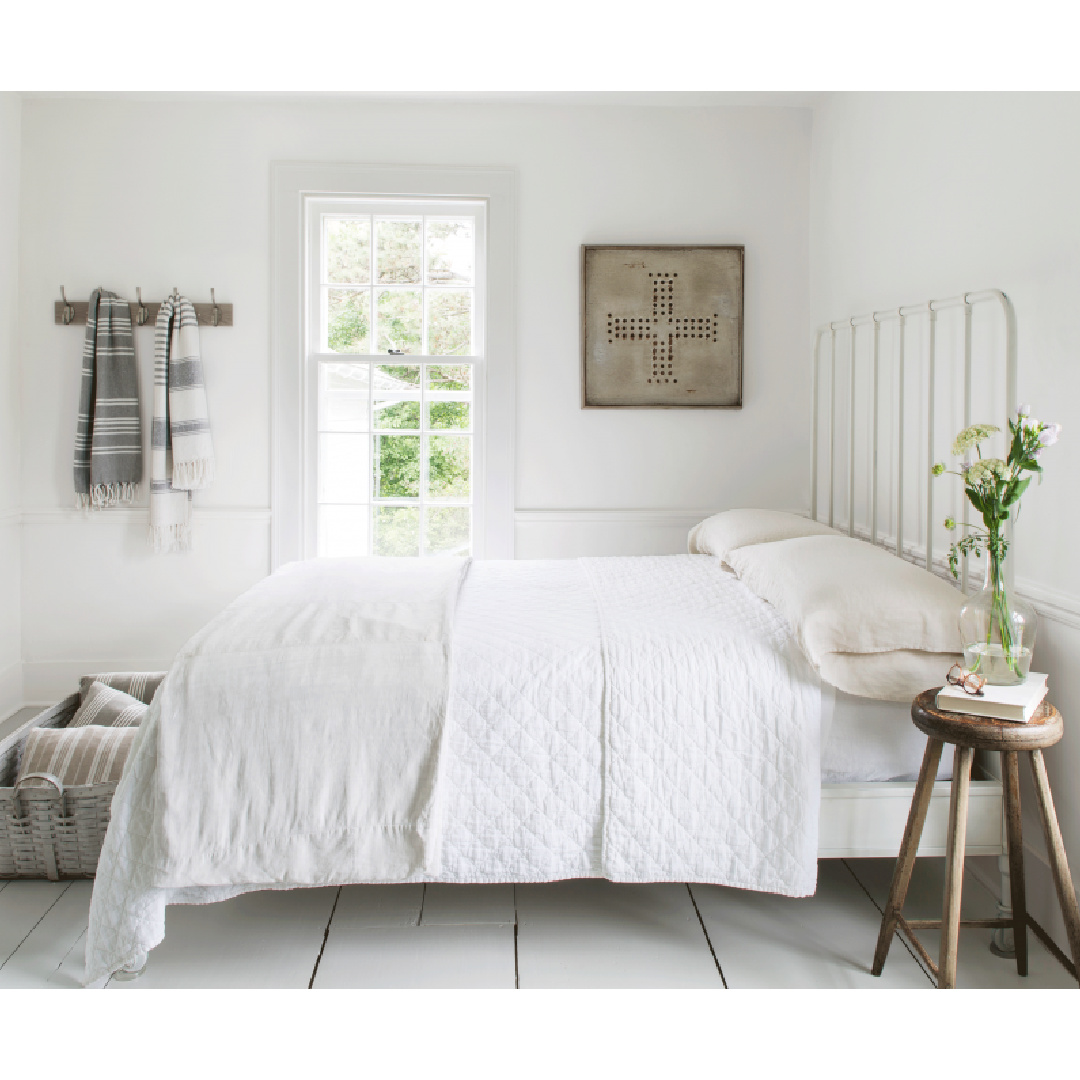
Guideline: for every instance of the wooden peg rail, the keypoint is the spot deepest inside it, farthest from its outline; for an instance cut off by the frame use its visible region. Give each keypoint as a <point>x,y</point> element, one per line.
<point>203,312</point>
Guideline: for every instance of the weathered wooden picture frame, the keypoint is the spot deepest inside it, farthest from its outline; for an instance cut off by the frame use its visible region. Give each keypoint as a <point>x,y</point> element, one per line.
<point>662,326</point>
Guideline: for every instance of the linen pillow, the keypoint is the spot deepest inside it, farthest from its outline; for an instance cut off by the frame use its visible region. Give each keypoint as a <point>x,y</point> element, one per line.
<point>848,601</point>
<point>108,707</point>
<point>139,684</point>
<point>87,755</point>
<point>724,532</point>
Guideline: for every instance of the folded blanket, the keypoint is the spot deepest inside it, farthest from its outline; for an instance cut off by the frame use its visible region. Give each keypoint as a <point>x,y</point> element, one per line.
<point>295,740</point>
<point>108,436</point>
<point>182,456</point>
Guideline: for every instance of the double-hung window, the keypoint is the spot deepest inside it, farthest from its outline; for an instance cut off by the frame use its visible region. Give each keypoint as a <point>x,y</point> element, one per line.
<point>393,372</point>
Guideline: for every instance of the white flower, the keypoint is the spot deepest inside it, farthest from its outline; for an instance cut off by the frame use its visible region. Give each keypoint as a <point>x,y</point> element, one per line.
<point>972,436</point>
<point>1049,434</point>
<point>1023,409</point>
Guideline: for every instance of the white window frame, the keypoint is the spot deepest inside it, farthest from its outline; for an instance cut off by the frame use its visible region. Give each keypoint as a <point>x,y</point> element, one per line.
<point>317,209</point>
<point>293,187</point>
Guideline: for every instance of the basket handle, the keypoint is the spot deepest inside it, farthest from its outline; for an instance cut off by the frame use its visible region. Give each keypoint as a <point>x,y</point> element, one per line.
<point>51,869</point>
<point>54,780</point>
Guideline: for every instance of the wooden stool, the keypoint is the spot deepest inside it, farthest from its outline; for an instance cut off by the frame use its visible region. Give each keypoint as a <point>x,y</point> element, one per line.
<point>970,733</point>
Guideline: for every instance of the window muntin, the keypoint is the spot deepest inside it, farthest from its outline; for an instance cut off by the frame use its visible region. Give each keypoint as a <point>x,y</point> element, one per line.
<point>395,330</point>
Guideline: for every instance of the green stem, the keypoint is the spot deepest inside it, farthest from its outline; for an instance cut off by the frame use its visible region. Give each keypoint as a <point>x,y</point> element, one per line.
<point>999,603</point>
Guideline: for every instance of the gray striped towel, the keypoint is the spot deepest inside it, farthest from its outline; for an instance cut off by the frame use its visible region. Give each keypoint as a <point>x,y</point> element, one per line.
<point>182,457</point>
<point>108,437</point>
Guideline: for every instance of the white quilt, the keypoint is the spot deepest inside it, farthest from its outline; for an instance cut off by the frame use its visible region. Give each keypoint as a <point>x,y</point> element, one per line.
<point>639,719</point>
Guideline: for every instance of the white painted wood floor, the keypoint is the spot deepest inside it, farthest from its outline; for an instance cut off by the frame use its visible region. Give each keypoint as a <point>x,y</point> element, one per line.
<point>571,934</point>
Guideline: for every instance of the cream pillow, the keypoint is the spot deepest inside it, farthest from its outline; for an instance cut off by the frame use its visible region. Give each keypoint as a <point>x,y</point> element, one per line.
<point>107,707</point>
<point>888,676</point>
<point>139,684</point>
<point>848,601</point>
<point>724,532</point>
<point>87,755</point>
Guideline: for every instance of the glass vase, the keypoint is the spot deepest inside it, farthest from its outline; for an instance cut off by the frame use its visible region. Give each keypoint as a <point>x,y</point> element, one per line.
<point>997,629</point>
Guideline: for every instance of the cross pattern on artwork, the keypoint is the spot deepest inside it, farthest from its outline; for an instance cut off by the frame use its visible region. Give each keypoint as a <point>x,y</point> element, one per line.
<point>663,329</point>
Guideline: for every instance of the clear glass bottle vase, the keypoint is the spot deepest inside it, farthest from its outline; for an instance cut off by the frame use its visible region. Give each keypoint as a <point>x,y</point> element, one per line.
<point>997,628</point>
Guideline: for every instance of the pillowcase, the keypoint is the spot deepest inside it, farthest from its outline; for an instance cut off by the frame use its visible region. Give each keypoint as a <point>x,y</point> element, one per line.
<point>139,684</point>
<point>847,601</point>
<point>888,676</point>
<point>87,755</point>
<point>108,707</point>
<point>724,532</point>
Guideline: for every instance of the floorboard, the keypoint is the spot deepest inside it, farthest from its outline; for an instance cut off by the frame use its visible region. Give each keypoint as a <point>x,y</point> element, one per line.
<point>35,963</point>
<point>261,939</point>
<point>23,905</point>
<point>447,957</point>
<point>593,934</point>
<point>570,934</point>
<point>822,941</point>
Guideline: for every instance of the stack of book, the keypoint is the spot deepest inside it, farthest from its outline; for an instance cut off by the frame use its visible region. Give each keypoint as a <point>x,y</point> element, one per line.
<point>1000,702</point>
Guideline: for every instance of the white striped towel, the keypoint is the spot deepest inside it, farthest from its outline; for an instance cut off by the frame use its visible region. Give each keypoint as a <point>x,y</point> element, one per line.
<point>182,452</point>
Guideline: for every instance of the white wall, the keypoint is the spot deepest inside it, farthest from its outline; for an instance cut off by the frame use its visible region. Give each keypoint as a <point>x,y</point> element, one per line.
<point>10,540</point>
<point>183,199</point>
<point>925,195</point>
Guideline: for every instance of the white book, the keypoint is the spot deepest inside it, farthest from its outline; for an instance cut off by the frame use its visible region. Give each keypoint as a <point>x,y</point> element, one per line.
<point>1000,702</point>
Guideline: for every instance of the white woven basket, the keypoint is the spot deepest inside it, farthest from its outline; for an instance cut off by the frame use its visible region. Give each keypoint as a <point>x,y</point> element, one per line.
<point>49,832</point>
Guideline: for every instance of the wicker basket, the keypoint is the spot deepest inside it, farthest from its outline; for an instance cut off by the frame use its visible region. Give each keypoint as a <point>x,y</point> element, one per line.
<point>49,832</point>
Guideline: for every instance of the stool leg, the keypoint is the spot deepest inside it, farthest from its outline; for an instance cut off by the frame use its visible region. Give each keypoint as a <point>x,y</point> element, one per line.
<point>954,866</point>
<point>1058,863</point>
<point>1010,768</point>
<point>905,862</point>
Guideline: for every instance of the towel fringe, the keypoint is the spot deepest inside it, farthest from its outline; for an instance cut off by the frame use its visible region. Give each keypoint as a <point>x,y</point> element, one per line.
<point>190,475</point>
<point>103,495</point>
<point>168,538</point>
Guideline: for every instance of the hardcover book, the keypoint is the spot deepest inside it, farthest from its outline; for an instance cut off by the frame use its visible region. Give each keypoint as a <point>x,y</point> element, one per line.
<point>1000,702</point>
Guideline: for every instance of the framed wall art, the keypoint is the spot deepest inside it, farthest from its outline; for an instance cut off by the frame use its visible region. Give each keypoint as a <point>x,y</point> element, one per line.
<point>662,326</point>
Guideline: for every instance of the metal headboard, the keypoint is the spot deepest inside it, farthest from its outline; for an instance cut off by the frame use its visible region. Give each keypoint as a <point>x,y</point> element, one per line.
<point>968,301</point>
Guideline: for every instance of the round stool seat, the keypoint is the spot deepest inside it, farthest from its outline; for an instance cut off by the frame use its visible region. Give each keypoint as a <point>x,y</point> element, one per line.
<point>983,732</point>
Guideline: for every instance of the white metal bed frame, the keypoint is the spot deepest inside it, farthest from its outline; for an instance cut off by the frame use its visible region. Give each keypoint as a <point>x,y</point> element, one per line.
<point>868,819</point>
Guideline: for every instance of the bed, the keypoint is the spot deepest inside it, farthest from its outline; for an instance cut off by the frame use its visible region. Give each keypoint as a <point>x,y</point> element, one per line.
<point>638,718</point>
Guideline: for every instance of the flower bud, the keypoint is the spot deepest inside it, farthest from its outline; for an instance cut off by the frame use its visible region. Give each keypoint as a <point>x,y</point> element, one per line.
<point>939,468</point>
<point>950,524</point>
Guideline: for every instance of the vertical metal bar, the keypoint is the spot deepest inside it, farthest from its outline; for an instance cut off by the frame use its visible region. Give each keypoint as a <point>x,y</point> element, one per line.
<point>874,436</point>
<point>832,418</point>
<point>814,379</point>
<point>930,376</point>
<point>965,506</point>
<point>851,431</point>
<point>1010,408</point>
<point>900,439</point>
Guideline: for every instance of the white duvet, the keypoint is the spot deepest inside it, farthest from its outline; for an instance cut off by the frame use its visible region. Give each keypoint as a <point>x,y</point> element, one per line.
<point>639,719</point>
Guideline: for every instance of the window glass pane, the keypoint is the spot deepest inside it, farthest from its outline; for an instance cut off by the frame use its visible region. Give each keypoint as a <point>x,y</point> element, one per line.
<point>449,376</point>
<point>400,320</point>
<point>397,530</point>
<point>348,320</point>
<point>397,414</point>
<point>448,414</point>
<point>447,530</point>
<point>348,250</point>
<point>397,377</point>
<point>449,466</point>
<point>398,252</point>
<point>343,397</point>
<point>450,251</point>
<point>449,322</point>
<point>397,466</point>
<point>343,467</point>
<point>343,530</point>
